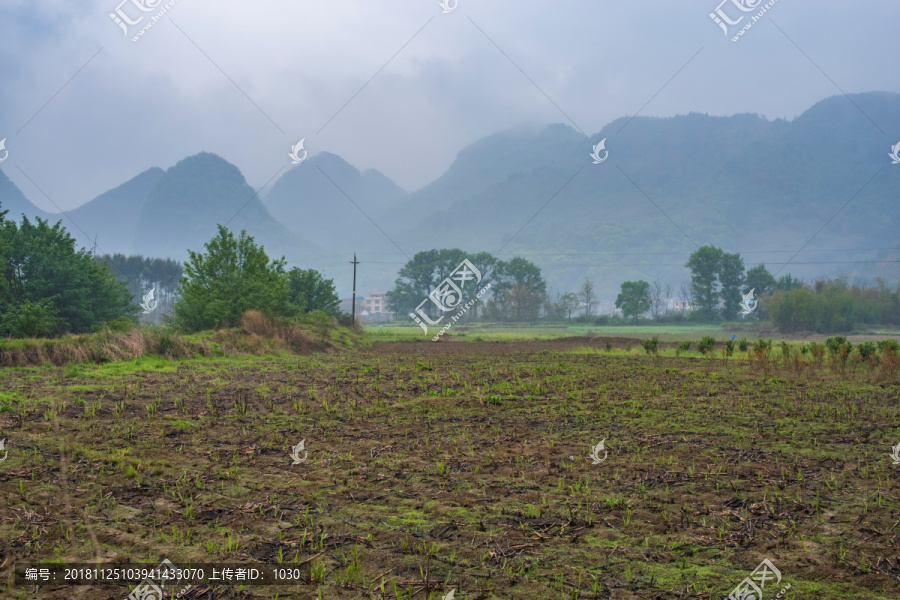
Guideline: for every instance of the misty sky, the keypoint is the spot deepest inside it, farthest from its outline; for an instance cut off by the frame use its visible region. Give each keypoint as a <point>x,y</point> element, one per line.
<point>135,105</point>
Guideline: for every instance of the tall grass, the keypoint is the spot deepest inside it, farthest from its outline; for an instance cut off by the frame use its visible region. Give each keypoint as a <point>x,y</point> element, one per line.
<point>256,335</point>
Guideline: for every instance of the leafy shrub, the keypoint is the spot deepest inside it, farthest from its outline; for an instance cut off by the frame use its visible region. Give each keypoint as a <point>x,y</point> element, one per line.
<point>743,344</point>
<point>651,346</point>
<point>762,345</point>
<point>890,347</point>
<point>121,324</point>
<point>29,319</point>
<point>832,306</point>
<point>818,351</point>
<point>867,349</point>
<point>609,346</point>
<point>706,344</point>
<point>729,347</point>
<point>839,350</point>
<point>317,320</point>
<point>785,350</point>
<point>684,346</point>
<point>835,344</point>
<point>890,357</point>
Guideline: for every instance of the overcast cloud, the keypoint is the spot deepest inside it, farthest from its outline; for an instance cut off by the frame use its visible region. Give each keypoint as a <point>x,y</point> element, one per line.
<point>297,63</point>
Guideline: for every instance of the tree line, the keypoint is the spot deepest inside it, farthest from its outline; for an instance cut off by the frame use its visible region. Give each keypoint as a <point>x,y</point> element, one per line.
<point>718,283</point>
<point>716,288</point>
<point>48,287</point>
<point>834,306</point>
<point>518,290</point>
<point>142,274</point>
<point>236,275</point>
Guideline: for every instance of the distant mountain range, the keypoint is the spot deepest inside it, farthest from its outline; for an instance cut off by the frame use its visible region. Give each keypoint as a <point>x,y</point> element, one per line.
<point>763,188</point>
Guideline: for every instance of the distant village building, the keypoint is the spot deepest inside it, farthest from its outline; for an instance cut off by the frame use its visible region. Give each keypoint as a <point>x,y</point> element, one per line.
<point>372,308</point>
<point>376,304</point>
<point>375,307</point>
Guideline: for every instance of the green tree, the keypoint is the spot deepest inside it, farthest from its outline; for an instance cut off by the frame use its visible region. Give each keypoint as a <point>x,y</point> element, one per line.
<point>634,299</point>
<point>568,303</point>
<point>309,291</point>
<point>520,289</point>
<point>731,276</point>
<point>786,283</point>
<point>426,270</point>
<point>487,264</point>
<point>44,278</point>
<point>704,266</point>
<point>759,279</point>
<point>586,293</point>
<point>833,306</point>
<point>234,276</point>
<point>29,319</point>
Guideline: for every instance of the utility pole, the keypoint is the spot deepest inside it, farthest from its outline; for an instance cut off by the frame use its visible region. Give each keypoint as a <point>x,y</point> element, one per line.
<point>94,249</point>
<point>354,263</point>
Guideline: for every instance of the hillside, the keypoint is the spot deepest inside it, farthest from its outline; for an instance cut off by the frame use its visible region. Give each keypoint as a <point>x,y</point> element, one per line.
<point>326,200</point>
<point>13,200</point>
<point>113,216</point>
<point>742,182</point>
<point>183,209</point>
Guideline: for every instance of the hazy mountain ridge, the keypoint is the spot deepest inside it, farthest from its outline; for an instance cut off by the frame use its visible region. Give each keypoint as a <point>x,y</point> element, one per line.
<point>13,200</point>
<point>169,225</point>
<point>164,213</point>
<point>741,182</point>
<point>123,204</point>
<point>325,189</point>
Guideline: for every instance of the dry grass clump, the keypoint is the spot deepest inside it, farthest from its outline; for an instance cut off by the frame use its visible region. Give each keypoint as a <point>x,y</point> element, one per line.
<point>258,335</point>
<point>105,346</point>
<point>263,334</point>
